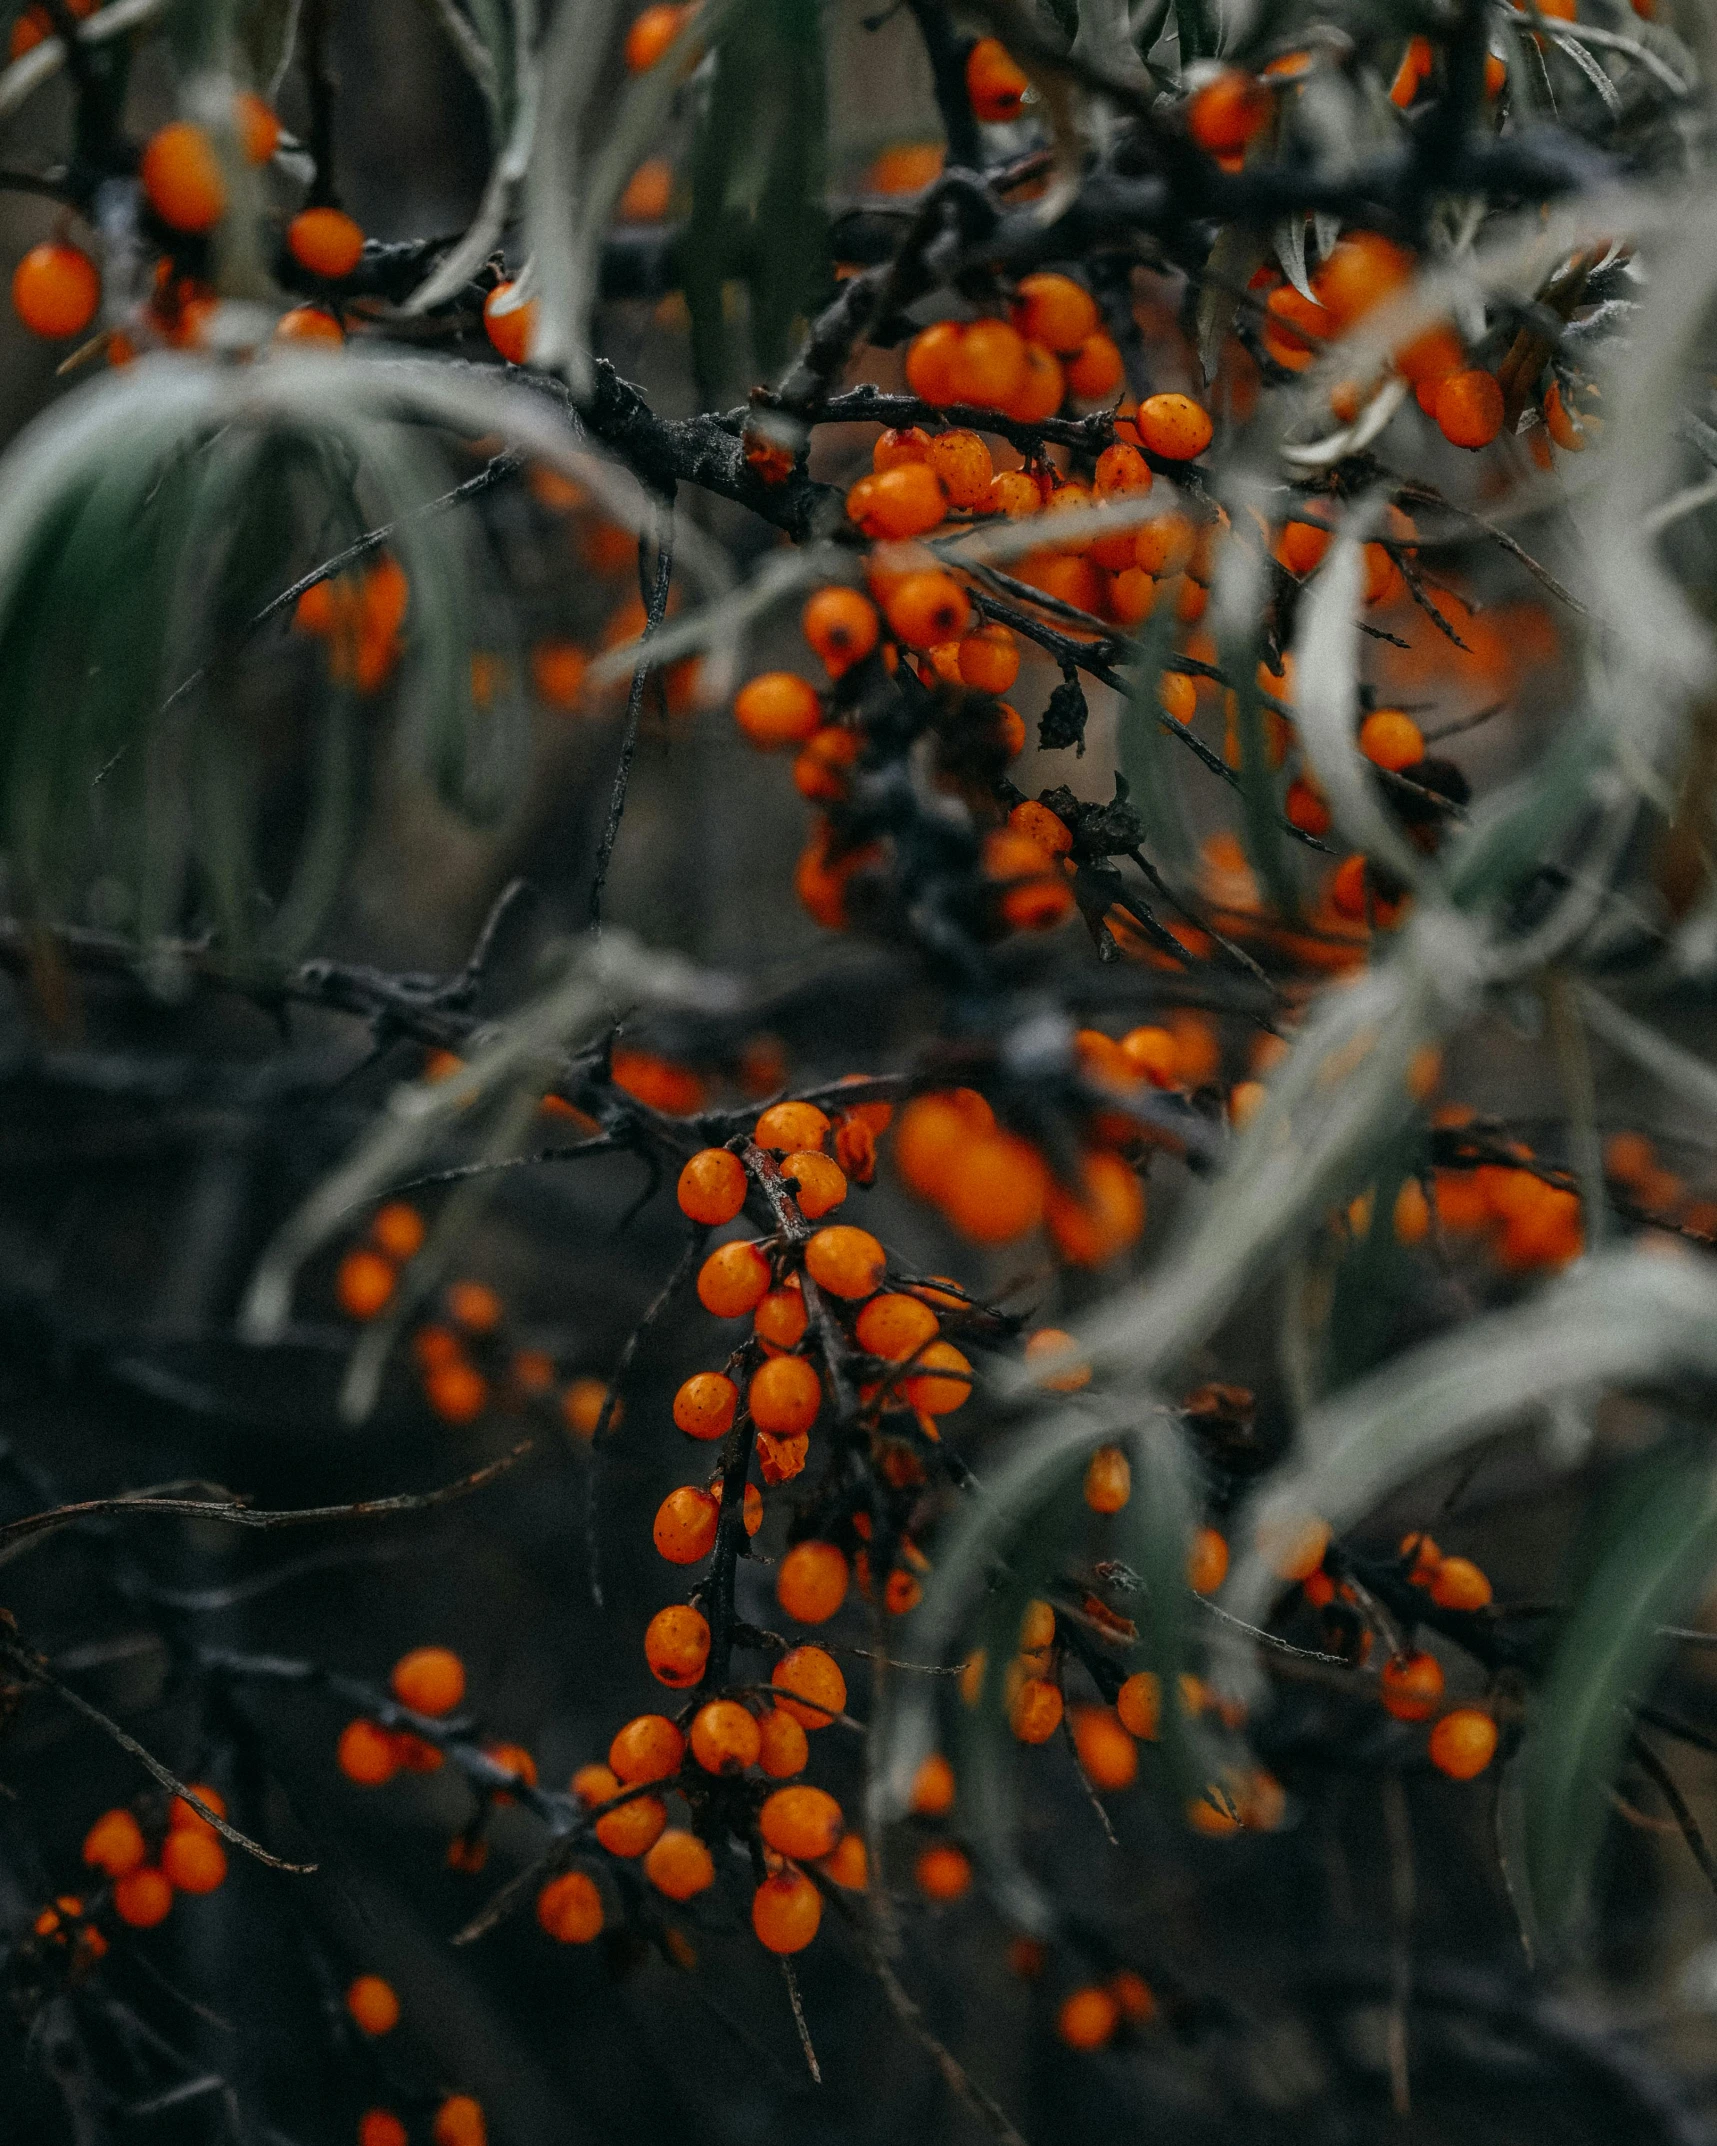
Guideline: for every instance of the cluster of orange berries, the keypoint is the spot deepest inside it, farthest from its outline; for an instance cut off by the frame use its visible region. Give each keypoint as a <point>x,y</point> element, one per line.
<point>373,2006</point>
<point>191,1858</point>
<point>1526,1221</point>
<point>428,1680</point>
<point>360,616</point>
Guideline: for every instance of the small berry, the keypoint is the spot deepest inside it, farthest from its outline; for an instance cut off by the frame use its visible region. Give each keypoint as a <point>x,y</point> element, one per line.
<point>845,1261</point>
<point>811,1687</point>
<point>841,626</point>
<point>679,1866</point>
<point>1469,408</point>
<point>725,1737</point>
<point>1094,371</point>
<point>811,1582</point>
<point>733,1280</point>
<point>569,1908</point>
<point>933,1787</point>
<point>785,1911</point>
<point>1175,427</point>
<point>309,324</point>
<point>1108,1480</point>
<point>895,1327</point>
<point>712,1186</point>
<point>142,1898</point>
<point>819,1185</point>
<point>1389,739</point>
<point>778,708</point>
<point>459,2122</point>
<point>193,1860</point>
<point>326,242</point>
<point>781,1318</point>
<point>1107,1752</point>
<point>381,2127</point>
<point>1458,1584</point>
<point>927,607</point>
<point>474,1306</point>
<point>114,1844</point>
<point>1411,1685</point>
<point>182,178</point>
<point>651,33</point>
<point>647,1748</point>
<point>676,1646</point>
<point>631,1829</point>
<point>366,1754</point>
<point>363,1283</point>
<point>56,290</point>
<point>1055,311</point>
<point>802,1822</point>
<point>258,128</point>
<point>785,1396</point>
<point>373,2004</point>
<point>942,1871</point>
<point>784,1750</point>
<point>1463,1743</point>
<point>995,82</point>
<point>1139,1705</point>
<point>941,1380</point>
<point>1034,1714</point>
<point>430,1680</point>
<point>510,322</point>
<point>1087,2018</point>
<point>685,1525</point>
<point>398,1229</point>
<point>1223,116</point>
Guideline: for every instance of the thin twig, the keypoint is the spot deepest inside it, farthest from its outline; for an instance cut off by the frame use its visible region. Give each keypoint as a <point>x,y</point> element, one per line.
<point>655,612</point>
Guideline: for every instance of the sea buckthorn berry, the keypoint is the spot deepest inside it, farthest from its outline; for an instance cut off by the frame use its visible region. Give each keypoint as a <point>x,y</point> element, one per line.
<point>1431,356</point>
<point>1362,271</point>
<point>645,201</point>
<point>995,82</point>
<point>785,1911</point>
<point>781,1318</point>
<point>1108,1480</point>
<point>1034,1713</point>
<point>430,1680</point>
<point>1293,1546</point>
<point>988,368</point>
<point>657,1081</point>
<point>679,1866</point>
<point>927,607</point>
<point>811,1581</point>
<point>1458,1584</point>
<point>1133,1996</point>
<point>56,290</point>
<point>895,1326</point>
<point>1463,1743</point>
<point>595,1784</point>
<point>1565,425</point>
<point>1301,547</point>
<point>1087,2018</point>
<point>802,1822</point>
<point>1015,494</point>
<point>676,1645</point>
<point>901,502</point>
<point>363,1283</point>
<point>381,2127</point>
<point>582,1404</point>
<point>114,1844</point>
<point>712,1186</point>
<point>1108,1755</point>
<point>309,324</point>
<point>143,1897</point>
<point>510,322</point>
<point>1411,1686</point>
<point>399,1229</point>
<point>474,1306</point>
<point>845,1261</point>
<point>459,2122</point>
<point>962,462</point>
<point>1153,1054</point>
<point>569,1908</point>
<point>841,626</point>
<point>819,772</point>
<point>786,1126</point>
<point>725,1737</point>
<point>1164,545</point>
<point>366,1754</point>
<point>1349,887</point>
<point>1175,427</point>
<point>1055,311</point>
<point>1105,1216</point>
<point>1122,469</point>
<point>930,362</point>
<point>685,1524</point>
<point>1038,824</point>
<point>942,1871</point>
<point>1390,739</point>
<point>1294,328</point>
<point>1306,807</point>
<point>849,1866</point>
<point>182,177</point>
<point>784,1750</point>
<point>819,1184</point>
<point>778,708</point>
<point>1207,1561</point>
<point>989,659</point>
<point>258,128</point>
<point>1469,408</point>
<point>193,1860</point>
<point>651,33</point>
<point>1223,116</point>
<point>1049,1341</point>
<point>933,1787</point>
<point>941,1380</point>
<point>631,1829</point>
<point>995,1188</point>
<point>898,446</point>
<point>931,1133</point>
<point>373,2004</point>
<point>1094,371</point>
<point>732,1281</point>
<point>810,1686</point>
<point>1139,1705</point>
<point>326,242</point>
<point>784,1396</point>
<point>1044,389</point>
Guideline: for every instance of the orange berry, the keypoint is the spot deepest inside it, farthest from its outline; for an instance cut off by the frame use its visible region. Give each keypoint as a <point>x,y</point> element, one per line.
<point>114,1844</point>
<point>56,290</point>
<point>995,1188</point>
<point>1175,427</point>
<point>1121,470</point>
<point>308,324</point>
<point>650,35</point>
<point>648,193</point>
<point>995,82</point>
<point>1038,824</point>
<point>1163,546</point>
<point>725,1737</point>
<point>1034,1712</point>
<point>989,659</point>
<point>988,368</point>
<point>1223,116</point>
<point>841,626</point>
<point>459,2122</point>
<point>373,2004</point>
<point>895,1326</point>
<point>1015,494</point>
<point>1363,270</point>
<point>1139,1705</point>
<point>786,1126</point>
<point>474,1306</point>
<point>1294,1547</point>
<point>1051,1341</point>
<point>193,1860</point>
<point>712,1186</point>
<point>784,1750</point>
<point>594,1785</point>
<point>811,1687</point>
<point>631,1829</point>
<point>430,1680</point>
<point>180,1813</point>
<point>1301,547</point>
<point>1133,1995</point>
<point>366,1754</point>
<point>778,708</point>
<point>1458,1584</point>
<point>811,1581</point>
<point>784,1396</point>
<point>399,1229</point>
<point>1390,739</point>
<point>182,177</point>
<point>142,1898</point>
<point>679,1865</point>
<point>733,1280</point>
<point>1094,371</point>
<point>569,1908</point>
<point>781,1318</point>
<point>1562,423</point>
<point>1463,1743</point>
<point>933,1787</point>
<point>258,128</point>
<point>1207,1562</point>
<point>904,501</point>
<point>510,322</point>
<point>685,1524</point>
<point>1295,328</point>
<point>1469,409</point>
<point>381,2127</point>
<point>1348,887</point>
<point>363,1283</point>
<point>1087,2018</point>
<point>819,1184</point>
<point>962,462</point>
<point>900,444</point>
<point>1108,1480</point>
<point>1306,807</point>
<point>930,362</point>
<point>847,1262</point>
<point>326,242</point>
<point>849,1866</point>
<point>785,1911</point>
<point>648,1748</point>
<point>1055,311</point>
<point>926,607</point>
<point>676,1645</point>
<point>1091,1226</point>
<point>1431,356</point>
<point>942,1871</point>
<point>1411,1685</point>
<point>941,1380</point>
<point>1108,1755</point>
<point>802,1822</point>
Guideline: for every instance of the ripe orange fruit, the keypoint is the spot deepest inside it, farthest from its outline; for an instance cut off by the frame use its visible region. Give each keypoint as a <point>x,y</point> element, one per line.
<point>459,2122</point>
<point>1390,739</point>
<point>679,1865</point>
<point>895,1326</point>
<point>651,34</point>
<point>942,1871</point>
<point>995,82</point>
<point>363,1283</point>
<point>811,1581</point>
<point>510,322</point>
<point>933,1787</point>
<point>632,1828</point>
<point>1175,427</point>
<point>56,290</point>
<point>1463,1743</point>
<point>193,1860</point>
<point>430,1680</point>
<point>366,1754</point>
<point>1139,1705</point>
<point>685,1525</point>
<point>930,362</point>
<point>784,1750</point>
<point>569,1908</point>
<point>258,128</point>
<point>784,1396</point>
<point>373,2004</point>
<point>142,1898</point>
<point>309,324</point>
<point>811,1687</point>
<point>1094,371</point>
<point>1055,311</point>
<point>114,1844</point>
<point>1411,1685</point>
<point>1207,1562</point>
<point>785,1911</point>
<point>712,1186</point>
<point>845,1261</point>
<point>777,708</point>
<point>841,626</point>
<point>676,1645</point>
<point>941,1380</point>
<point>1087,2018</point>
<point>781,1318</point>
<point>381,2127</point>
<point>732,1281</point>
<point>647,1748</point>
<point>1108,1480</point>
<point>399,1229</point>
<point>1223,116</point>
<point>802,1822</point>
<point>1458,1584</point>
<point>927,607</point>
<point>326,242</point>
<point>1469,408</point>
<point>1106,1751</point>
<point>1103,1217</point>
<point>1363,270</point>
<point>725,1737</point>
<point>182,177</point>
<point>1295,1546</point>
<point>819,1185</point>
<point>1034,1713</point>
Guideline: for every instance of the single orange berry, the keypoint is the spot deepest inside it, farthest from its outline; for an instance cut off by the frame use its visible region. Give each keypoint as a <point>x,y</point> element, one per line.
<point>995,1187</point>
<point>962,462</point>
<point>819,1185</point>
<point>326,242</point>
<point>810,1687</point>
<point>995,82</point>
<point>1390,739</point>
<point>1458,1584</point>
<point>381,2127</point>
<point>373,2004</point>
<point>569,1908</point>
<point>510,322</point>
<point>1087,2018</point>
<point>781,1318</point>
<point>1469,408</point>
<point>784,1396</point>
<point>363,1283</point>
<point>845,1261</point>
<point>142,1898</point>
<point>309,324</point>
<point>1055,311</point>
<point>785,1911</point>
<point>1207,1562</point>
<point>1463,1743</point>
<point>474,1306</point>
<point>1294,1546</point>
<point>1306,807</point>
<point>1107,1753</point>
<point>193,1860</point>
<point>685,1525</point>
<point>1133,1995</point>
<point>725,1737</point>
<point>258,128</point>
<point>582,1404</point>
<point>933,1787</point>
<point>1094,371</point>
<point>733,1280</point>
<point>399,1229</point>
<point>1175,427</point>
<point>557,673</point>
<point>679,1865</point>
<point>648,1748</point>
<point>930,362</point>
<point>802,1822</point>
<point>1034,1713</point>
<point>651,33</point>
<point>989,659</point>
<point>989,365</point>
<point>366,1754</point>
<point>1100,1220</point>
<point>778,708</point>
<point>114,1844</point>
<point>1139,1705</point>
<point>712,1186</point>
<point>459,2122</point>
<point>904,501</point>
<point>56,289</point>
<point>1411,1685</point>
<point>1362,271</point>
<point>430,1680</point>
<point>895,1327</point>
<point>841,626</point>
<point>927,607</point>
<point>942,1871</point>
<point>811,1582</point>
<point>676,1645</point>
<point>632,1829</point>
<point>1224,115</point>
<point>182,177</point>
<point>784,1750</point>
<point>1108,1480</point>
